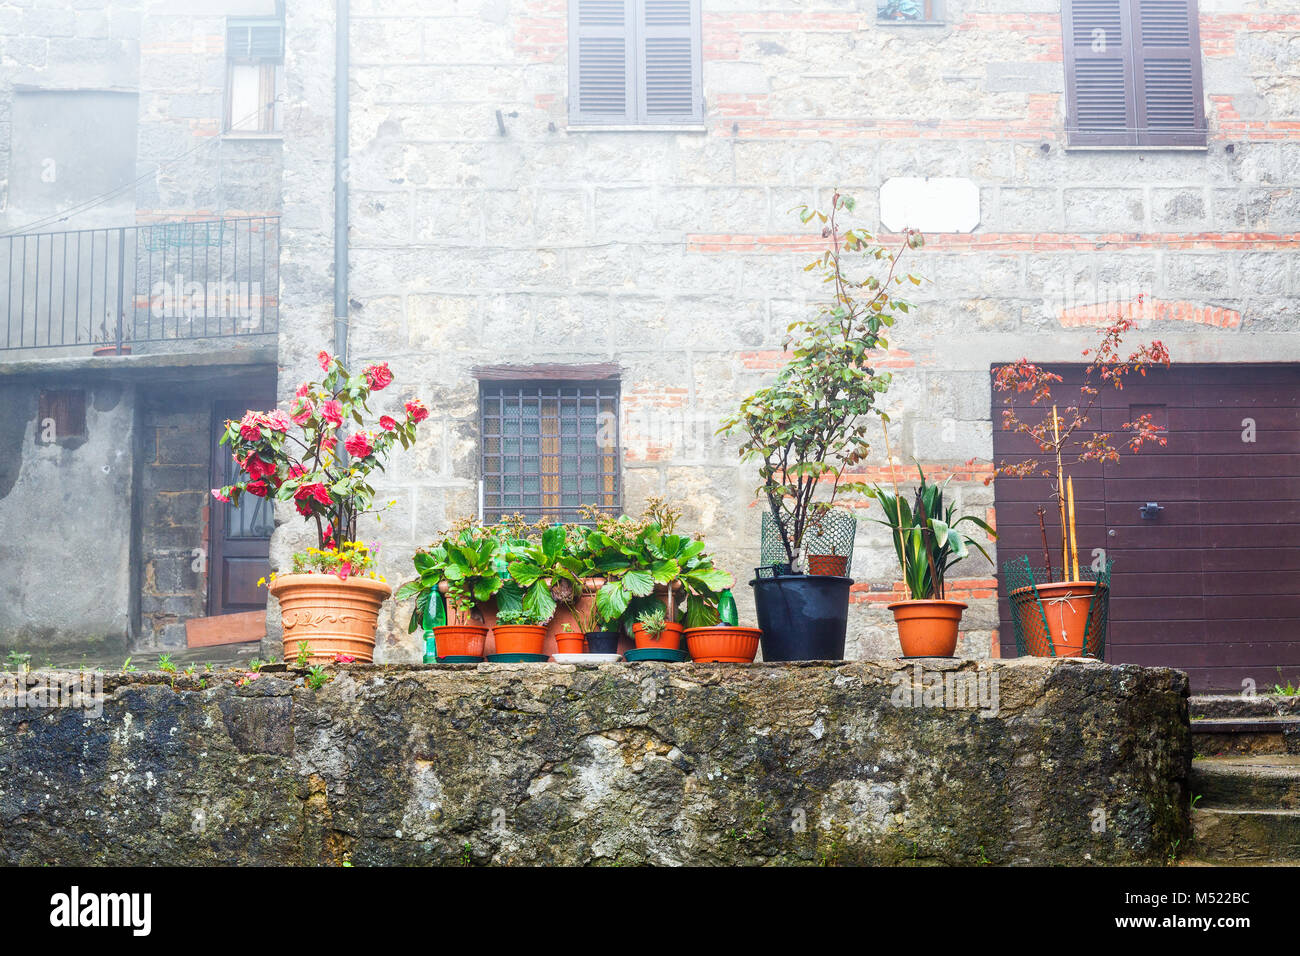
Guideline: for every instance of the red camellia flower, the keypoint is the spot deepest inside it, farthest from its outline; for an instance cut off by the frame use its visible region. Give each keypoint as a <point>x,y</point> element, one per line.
<point>301,411</point>
<point>415,408</point>
<point>216,493</point>
<point>250,429</point>
<point>377,376</point>
<point>303,390</point>
<point>278,420</point>
<point>387,423</point>
<point>358,445</point>
<point>330,443</point>
<point>257,468</point>
<point>344,659</point>
<point>258,488</point>
<point>296,471</point>
<point>315,491</point>
<point>324,359</point>
<point>333,412</point>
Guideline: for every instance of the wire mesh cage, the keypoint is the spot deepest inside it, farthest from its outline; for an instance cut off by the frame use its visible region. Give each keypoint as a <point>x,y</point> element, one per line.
<point>827,543</point>
<point>1058,618</point>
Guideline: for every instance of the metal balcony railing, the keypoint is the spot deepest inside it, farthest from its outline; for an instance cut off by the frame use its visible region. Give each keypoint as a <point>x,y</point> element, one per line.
<point>147,283</point>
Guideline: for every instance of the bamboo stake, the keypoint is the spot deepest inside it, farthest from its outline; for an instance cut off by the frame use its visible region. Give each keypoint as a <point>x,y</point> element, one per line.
<point>902,547</point>
<point>1074,541</point>
<point>1060,493</point>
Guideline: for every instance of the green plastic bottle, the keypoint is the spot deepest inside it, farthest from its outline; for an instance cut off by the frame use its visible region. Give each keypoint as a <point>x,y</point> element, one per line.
<point>727,609</point>
<point>435,615</point>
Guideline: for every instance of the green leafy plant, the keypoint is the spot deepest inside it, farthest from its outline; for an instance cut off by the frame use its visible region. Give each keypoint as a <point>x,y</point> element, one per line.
<point>15,661</point>
<point>542,569</point>
<point>808,428</point>
<point>128,667</point>
<point>1288,689</point>
<point>926,539</point>
<point>530,617</point>
<point>304,654</point>
<point>165,664</point>
<point>316,677</point>
<point>471,562</point>
<point>653,621</point>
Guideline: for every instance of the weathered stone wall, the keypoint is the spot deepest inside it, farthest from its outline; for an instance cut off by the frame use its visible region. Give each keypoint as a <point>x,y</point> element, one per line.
<point>617,764</point>
<point>673,254</point>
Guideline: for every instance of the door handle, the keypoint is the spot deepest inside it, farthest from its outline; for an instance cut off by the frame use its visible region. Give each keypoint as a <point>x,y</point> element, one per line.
<point>1150,510</point>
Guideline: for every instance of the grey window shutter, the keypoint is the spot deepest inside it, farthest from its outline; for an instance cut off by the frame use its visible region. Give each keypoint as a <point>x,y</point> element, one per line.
<point>669,82</point>
<point>1100,106</point>
<point>1167,73</point>
<point>255,40</point>
<point>601,71</point>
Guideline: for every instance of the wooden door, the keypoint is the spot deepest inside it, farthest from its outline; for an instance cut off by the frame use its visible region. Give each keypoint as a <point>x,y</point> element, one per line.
<point>240,535</point>
<point>1210,582</point>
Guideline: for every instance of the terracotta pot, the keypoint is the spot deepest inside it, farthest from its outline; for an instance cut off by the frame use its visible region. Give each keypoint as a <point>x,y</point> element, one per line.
<point>519,638</point>
<point>927,628</point>
<point>460,640</point>
<point>566,642</point>
<point>332,615</point>
<point>670,638</point>
<point>723,645</point>
<point>833,564</point>
<point>1065,605</point>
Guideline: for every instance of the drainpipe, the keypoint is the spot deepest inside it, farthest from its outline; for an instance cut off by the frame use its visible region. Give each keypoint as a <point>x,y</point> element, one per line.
<point>341,32</point>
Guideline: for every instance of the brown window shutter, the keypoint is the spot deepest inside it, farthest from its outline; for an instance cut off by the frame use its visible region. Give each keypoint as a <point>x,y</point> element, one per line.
<point>1167,73</point>
<point>1100,106</point>
<point>601,46</point>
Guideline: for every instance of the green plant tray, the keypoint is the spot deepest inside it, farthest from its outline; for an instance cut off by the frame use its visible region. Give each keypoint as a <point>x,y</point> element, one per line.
<point>655,654</point>
<point>518,658</point>
<point>454,659</point>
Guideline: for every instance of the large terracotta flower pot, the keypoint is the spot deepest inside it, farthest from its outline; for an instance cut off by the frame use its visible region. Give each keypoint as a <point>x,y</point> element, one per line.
<point>332,615</point>
<point>1065,605</point>
<point>669,639</point>
<point>519,638</point>
<point>723,645</point>
<point>460,640</point>
<point>927,628</point>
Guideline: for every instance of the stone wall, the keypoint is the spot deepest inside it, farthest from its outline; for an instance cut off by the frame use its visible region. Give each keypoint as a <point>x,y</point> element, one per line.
<point>610,765</point>
<point>673,254</point>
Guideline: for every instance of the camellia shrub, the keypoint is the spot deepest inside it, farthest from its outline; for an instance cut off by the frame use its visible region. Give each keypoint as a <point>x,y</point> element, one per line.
<point>320,455</point>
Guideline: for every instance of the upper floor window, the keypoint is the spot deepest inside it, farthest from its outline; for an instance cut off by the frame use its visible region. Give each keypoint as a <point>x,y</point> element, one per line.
<point>909,11</point>
<point>634,62</point>
<point>1133,73</point>
<point>254,74</point>
<point>549,447</point>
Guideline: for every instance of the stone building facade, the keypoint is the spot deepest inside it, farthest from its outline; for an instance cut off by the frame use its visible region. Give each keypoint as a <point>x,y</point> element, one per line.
<point>488,228</point>
<point>491,226</point>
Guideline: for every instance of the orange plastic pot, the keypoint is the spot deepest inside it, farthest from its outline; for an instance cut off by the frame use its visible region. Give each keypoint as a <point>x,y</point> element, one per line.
<point>927,628</point>
<point>1065,605</point>
<point>566,642</point>
<point>723,645</point>
<point>832,564</point>
<point>460,640</point>
<point>330,614</point>
<point>669,639</point>
<point>519,638</point>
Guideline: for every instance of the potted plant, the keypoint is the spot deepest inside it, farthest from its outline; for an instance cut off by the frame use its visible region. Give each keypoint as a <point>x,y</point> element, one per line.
<point>723,643</point>
<point>1064,615</point>
<point>466,571</point>
<point>809,427</point>
<point>569,641</point>
<point>652,629</point>
<point>591,624</point>
<point>520,630</point>
<point>327,601</point>
<point>927,543</point>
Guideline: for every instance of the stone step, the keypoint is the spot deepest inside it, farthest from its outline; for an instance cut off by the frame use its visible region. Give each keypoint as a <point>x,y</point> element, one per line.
<point>1217,736</point>
<point>1263,782</point>
<point>1239,705</point>
<point>1225,835</point>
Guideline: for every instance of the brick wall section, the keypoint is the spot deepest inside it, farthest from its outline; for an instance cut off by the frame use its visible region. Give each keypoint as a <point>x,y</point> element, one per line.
<point>674,254</point>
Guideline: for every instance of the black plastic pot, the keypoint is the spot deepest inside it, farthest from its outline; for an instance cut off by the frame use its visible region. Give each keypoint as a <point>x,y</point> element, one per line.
<point>803,616</point>
<point>602,642</point>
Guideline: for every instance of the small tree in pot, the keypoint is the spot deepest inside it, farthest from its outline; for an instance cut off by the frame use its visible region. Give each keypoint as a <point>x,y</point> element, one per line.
<point>1060,616</point>
<point>809,428</point>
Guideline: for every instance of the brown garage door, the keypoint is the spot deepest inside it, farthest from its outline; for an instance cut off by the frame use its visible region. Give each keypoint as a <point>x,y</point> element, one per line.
<point>1211,583</point>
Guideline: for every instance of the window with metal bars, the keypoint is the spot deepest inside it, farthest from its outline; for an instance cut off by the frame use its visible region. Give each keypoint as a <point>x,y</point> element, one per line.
<point>635,62</point>
<point>1133,73</point>
<point>549,448</point>
<point>254,74</point>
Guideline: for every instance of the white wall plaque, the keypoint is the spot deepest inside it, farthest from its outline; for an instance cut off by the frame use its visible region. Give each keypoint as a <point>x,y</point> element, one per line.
<point>939,204</point>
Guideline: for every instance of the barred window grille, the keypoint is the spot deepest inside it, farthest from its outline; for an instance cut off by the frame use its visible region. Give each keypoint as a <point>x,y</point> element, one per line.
<point>549,449</point>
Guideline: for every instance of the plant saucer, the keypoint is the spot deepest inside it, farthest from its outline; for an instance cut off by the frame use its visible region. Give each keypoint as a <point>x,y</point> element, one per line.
<point>585,658</point>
